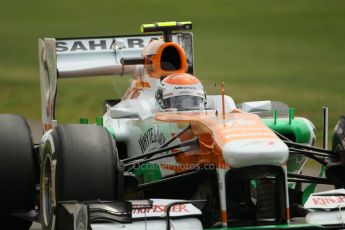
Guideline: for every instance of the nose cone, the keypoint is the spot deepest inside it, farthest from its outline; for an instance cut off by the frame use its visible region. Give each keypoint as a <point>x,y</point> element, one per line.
<point>242,153</point>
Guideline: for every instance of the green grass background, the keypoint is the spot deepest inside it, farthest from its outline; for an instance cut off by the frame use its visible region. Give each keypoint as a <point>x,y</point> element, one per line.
<point>291,51</point>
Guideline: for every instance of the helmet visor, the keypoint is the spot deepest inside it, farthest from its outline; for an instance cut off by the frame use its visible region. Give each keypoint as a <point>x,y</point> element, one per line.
<point>184,103</point>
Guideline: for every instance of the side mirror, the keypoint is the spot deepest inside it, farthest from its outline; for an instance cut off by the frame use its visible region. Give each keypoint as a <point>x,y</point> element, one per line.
<point>132,108</point>
<point>117,113</point>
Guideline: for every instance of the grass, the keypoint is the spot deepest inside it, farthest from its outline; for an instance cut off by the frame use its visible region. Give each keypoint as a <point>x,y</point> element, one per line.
<point>291,51</point>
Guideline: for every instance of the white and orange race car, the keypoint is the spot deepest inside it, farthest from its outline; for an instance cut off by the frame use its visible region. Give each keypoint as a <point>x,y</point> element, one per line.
<point>166,155</point>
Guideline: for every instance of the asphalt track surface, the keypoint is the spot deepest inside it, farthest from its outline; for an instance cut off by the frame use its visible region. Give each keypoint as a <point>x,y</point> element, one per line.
<point>37,133</point>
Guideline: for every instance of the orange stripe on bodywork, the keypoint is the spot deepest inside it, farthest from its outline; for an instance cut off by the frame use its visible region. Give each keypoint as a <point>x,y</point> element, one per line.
<point>224,216</point>
<point>214,132</point>
<point>220,130</point>
<point>205,155</point>
<point>139,84</point>
<point>288,214</point>
<point>47,127</point>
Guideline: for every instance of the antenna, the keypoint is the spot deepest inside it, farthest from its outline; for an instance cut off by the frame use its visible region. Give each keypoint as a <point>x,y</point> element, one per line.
<point>325,127</point>
<point>223,101</point>
<point>215,86</point>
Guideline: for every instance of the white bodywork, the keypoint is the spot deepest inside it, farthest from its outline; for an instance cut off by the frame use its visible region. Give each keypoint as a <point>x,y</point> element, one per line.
<point>242,153</point>
<point>185,223</point>
<point>327,208</point>
<point>257,106</point>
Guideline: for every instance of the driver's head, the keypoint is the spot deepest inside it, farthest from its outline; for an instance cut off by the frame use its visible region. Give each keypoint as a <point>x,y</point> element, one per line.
<point>182,92</point>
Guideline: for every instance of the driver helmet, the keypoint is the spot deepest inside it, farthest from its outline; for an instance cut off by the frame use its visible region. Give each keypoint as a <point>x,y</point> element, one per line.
<point>181,91</point>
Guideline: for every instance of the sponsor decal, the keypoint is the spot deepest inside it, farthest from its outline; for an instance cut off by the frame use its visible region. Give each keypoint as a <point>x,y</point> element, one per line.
<point>237,122</point>
<point>186,93</point>
<point>159,208</point>
<point>248,135</point>
<point>81,46</point>
<point>162,208</point>
<point>202,94</point>
<point>151,136</point>
<point>239,128</point>
<point>185,87</point>
<point>100,44</point>
<point>326,200</point>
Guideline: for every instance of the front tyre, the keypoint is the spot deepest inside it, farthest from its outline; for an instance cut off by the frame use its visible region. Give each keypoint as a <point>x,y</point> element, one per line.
<point>78,162</point>
<point>17,171</point>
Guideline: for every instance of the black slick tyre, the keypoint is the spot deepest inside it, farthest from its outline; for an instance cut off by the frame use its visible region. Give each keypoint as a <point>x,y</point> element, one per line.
<point>78,162</point>
<point>17,171</point>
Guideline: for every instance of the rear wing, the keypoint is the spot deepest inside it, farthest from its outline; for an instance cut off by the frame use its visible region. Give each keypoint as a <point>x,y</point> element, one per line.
<point>94,56</point>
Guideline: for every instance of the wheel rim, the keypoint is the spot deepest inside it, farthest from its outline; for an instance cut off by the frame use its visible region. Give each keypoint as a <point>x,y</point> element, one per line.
<point>47,192</point>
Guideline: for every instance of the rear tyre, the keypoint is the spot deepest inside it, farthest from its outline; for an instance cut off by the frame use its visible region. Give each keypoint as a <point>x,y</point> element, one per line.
<point>335,171</point>
<point>338,141</point>
<point>78,162</point>
<point>17,171</point>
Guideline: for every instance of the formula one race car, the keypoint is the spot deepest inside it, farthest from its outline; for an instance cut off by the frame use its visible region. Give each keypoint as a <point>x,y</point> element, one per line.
<point>165,156</point>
